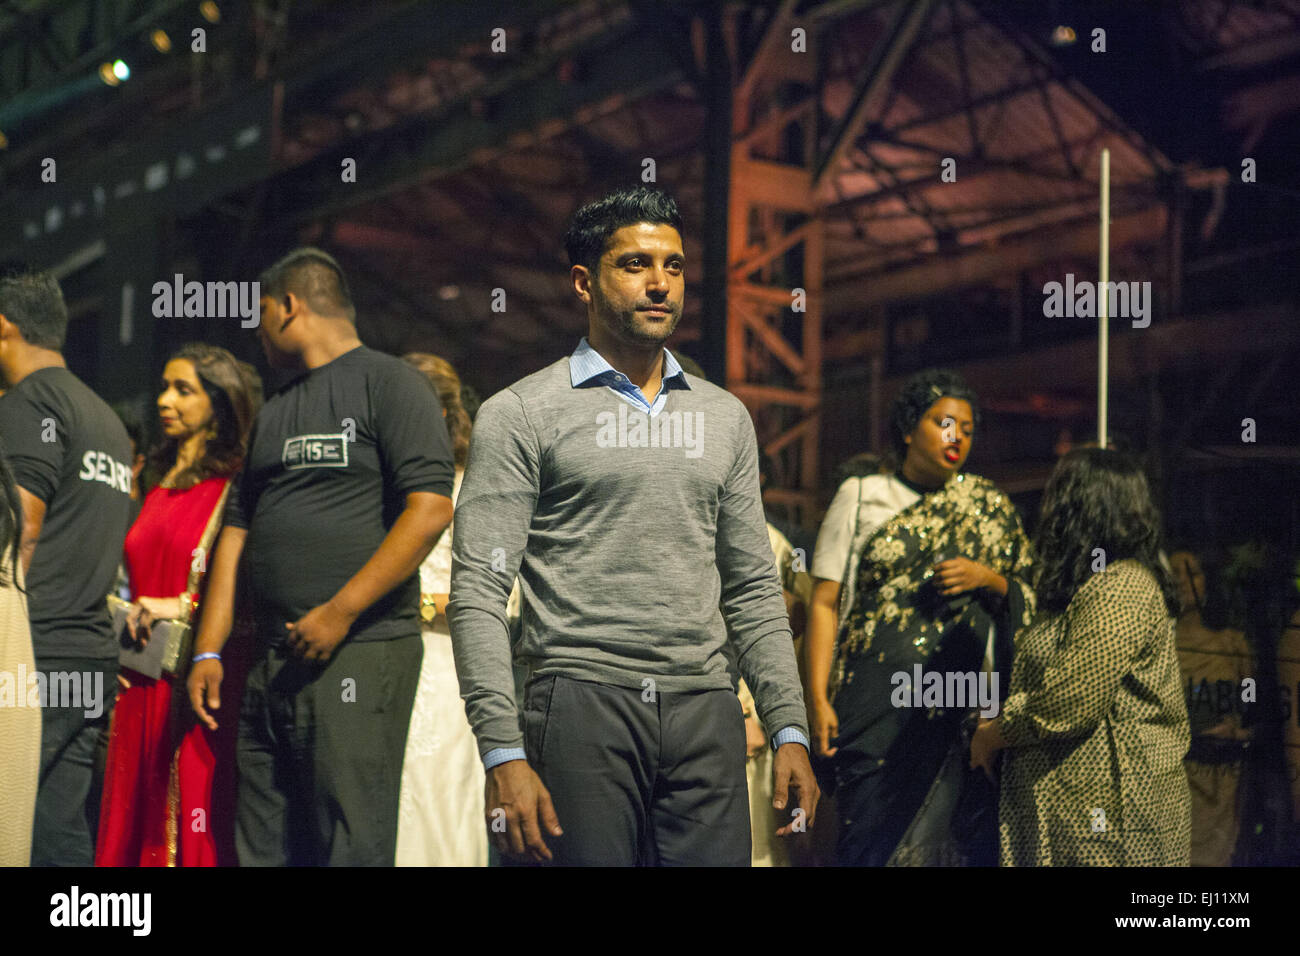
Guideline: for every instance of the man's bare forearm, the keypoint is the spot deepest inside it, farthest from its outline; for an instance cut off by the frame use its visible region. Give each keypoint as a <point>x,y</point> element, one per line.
<point>398,556</point>
<point>33,519</point>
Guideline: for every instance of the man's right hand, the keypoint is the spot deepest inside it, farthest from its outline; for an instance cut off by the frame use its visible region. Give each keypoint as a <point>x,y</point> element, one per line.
<point>513,788</point>
<point>825,726</point>
<point>204,685</point>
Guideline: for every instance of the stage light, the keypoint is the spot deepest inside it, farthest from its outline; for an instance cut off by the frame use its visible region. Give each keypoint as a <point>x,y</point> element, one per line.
<point>161,41</point>
<point>115,73</point>
<point>1063,36</point>
<point>4,140</point>
<point>211,12</point>
<point>449,292</point>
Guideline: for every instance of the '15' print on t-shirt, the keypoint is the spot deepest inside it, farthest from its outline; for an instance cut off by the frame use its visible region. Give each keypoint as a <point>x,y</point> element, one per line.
<point>315,451</point>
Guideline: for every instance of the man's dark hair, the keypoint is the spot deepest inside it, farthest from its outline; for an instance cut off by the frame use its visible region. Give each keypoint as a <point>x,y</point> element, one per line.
<point>595,222</point>
<point>314,276</point>
<point>920,392</point>
<point>1096,498</point>
<point>33,301</point>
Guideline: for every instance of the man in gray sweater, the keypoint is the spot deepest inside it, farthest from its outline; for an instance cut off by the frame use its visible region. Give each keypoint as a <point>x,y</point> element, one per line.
<point>625,496</point>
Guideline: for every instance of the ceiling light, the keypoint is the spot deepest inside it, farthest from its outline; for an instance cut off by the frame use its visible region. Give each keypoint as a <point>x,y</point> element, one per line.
<point>1063,36</point>
<point>109,74</point>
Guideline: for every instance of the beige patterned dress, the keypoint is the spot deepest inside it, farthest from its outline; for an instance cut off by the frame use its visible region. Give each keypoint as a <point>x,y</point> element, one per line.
<point>20,721</point>
<point>440,810</point>
<point>1097,727</point>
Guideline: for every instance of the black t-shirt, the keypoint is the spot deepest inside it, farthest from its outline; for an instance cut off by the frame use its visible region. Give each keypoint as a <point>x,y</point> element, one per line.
<point>332,456</point>
<point>68,448</point>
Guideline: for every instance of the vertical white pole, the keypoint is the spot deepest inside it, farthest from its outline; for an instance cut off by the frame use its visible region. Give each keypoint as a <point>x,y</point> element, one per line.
<point>1103,302</point>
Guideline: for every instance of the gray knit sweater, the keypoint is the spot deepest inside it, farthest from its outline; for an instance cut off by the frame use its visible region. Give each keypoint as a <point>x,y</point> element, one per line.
<point>637,542</point>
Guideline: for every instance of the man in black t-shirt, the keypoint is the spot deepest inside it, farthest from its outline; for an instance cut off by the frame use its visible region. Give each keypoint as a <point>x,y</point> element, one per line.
<point>71,459</point>
<point>345,489</point>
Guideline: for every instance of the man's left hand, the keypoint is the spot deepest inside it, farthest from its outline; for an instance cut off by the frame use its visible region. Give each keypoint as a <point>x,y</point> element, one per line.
<point>316,634</point>
<point>793,772</point>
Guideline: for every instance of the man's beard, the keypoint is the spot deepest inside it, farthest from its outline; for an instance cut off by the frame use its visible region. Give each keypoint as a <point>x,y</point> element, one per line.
<point>631,330</point>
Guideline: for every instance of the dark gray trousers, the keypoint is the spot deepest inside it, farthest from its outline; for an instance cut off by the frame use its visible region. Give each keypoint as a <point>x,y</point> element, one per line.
<point>320,754</point>
<point>640,778</point>
<point>72,773</point>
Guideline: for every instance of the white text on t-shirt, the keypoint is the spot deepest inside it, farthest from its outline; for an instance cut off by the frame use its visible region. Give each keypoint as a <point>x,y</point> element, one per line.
<point>100,466</point>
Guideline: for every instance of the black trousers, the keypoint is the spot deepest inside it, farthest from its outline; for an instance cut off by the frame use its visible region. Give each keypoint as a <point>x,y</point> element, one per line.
<point>72,746</point>
<point>320,753</point>
<point>640,778</point>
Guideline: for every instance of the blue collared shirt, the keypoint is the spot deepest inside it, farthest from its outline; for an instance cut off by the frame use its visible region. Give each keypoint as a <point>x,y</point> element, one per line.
<point>588,369</point>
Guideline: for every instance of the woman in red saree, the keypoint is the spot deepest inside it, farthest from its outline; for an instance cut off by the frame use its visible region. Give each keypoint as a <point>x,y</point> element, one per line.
<point>169,782</point>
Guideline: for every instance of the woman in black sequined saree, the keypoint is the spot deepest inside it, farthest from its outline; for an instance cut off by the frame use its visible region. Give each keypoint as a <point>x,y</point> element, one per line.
<point>933,596</point>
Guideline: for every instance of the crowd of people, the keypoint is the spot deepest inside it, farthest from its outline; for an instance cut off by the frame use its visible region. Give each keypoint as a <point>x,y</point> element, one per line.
<point>610,657</point>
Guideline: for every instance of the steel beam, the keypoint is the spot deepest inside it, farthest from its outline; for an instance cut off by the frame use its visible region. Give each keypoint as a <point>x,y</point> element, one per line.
<point>885,61</point>
<point>985,262</point>
<point>624,68</point>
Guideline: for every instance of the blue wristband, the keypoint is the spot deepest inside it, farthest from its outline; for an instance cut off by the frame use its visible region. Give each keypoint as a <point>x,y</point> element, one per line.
<point>209,656</point>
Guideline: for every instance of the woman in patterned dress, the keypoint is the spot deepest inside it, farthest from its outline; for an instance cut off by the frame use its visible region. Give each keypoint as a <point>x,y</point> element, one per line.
<point>1095,726</point>
<point>935,580</point>
<point>440,812</point>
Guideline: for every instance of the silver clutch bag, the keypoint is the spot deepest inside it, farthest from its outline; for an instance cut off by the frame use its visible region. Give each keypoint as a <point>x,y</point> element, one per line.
<point>167,650</point>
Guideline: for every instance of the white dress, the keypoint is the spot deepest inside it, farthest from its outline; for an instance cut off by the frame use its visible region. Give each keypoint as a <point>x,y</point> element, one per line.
<point>440,816</point>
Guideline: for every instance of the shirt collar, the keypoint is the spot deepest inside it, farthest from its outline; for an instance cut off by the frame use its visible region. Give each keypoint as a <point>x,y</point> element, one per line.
<point>588,367</point>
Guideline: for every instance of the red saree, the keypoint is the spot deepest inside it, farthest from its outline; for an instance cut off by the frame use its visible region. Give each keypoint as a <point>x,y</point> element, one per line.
<point>169,783</point>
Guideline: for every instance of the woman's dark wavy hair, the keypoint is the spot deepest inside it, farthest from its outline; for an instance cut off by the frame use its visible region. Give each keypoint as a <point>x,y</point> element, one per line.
<point>235,397</point>
<point>920,392</point>
<point>1096,498</point>
<point>11,520</point>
